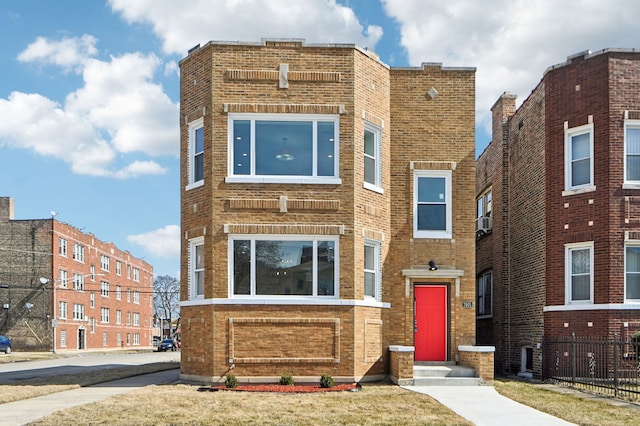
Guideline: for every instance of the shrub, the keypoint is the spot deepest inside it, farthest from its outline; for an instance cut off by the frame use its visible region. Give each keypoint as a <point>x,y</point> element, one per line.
<point>326,381</point>
<point>286,379</point>
<point>231,382</point>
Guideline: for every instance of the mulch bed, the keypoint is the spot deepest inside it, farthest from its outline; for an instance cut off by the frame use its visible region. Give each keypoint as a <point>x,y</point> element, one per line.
<point>351,387</point>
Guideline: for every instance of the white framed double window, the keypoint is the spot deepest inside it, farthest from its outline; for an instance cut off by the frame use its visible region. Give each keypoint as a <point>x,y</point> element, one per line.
<point>372,157</point>
<point>78,311</point>
<point>62,311</point>
<point>196,268</point>
<point>283,265</point>
<point>579,273</point>
<point>484,294</point>
<point>632,272</point>
<point>104,315</point>
<point>283,148</point>
<point>432,204</point>
<point>372,269</point>
<point>578,157</point>
<point>78,253</point>
<point>195,162</point>
<point>632,152</point>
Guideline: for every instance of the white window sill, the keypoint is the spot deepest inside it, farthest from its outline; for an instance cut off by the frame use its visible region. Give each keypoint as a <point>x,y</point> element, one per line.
<point>631,185</point>
<point>374,188</point>
<point>305,180</point>
<point>432,235</point>
<point>317,301</point>
<point>576,191</point>
<point>193,185</point>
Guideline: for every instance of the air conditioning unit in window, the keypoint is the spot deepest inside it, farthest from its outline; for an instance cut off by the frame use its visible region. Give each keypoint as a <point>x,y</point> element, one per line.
<point>483,225</point>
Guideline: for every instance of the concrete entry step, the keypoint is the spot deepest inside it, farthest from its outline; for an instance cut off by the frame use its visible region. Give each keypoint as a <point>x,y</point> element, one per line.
<point>445,374</point>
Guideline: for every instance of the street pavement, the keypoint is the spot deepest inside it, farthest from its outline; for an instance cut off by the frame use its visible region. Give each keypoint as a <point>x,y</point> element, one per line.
<point>30,410</point>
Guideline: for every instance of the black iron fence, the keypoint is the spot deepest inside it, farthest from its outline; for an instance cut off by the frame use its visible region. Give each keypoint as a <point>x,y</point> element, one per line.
<point>609,366</point>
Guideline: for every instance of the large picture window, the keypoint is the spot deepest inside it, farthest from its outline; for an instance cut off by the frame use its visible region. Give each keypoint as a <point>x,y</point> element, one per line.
<point>579,273</point>
<point>283,266</point>
<point>283,148</point>
<point>632,151</point>
<point>432,204</point>
<point>632,273</point>
<point>195,163</point>
<point>579,157</point>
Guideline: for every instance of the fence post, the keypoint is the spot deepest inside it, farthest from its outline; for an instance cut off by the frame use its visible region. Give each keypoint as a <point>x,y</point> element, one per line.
<point>615,364</point>
<point>573,357</point>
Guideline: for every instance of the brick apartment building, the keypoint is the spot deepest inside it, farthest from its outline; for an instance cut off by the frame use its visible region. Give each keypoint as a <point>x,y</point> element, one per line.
<point>558,217</point>
<point>63,289</point>
<point>327,212</point>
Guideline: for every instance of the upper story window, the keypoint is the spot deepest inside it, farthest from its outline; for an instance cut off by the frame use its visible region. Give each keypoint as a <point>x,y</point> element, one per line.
<point>293,266</point>
<point>283,148</point>
<point>579,273</point>
<point>104,288</point>
<point>578,152</point>
<point>484,293</point>
<point>632,151</point>
<point>372,160</point>
<point>118,268</point>
<point>136,274</point>
<point>136,297</point>
<point>372,269</point>
<point>64,278</point>
<point>78,311</point>
<point>483,212</point>
<point>62,247</point>
<point>195,165</point>
<point>432,204</point>
<point>118,292</point>
<point>632,272</point>
<point>78,253</point>
<point>78,282</point>
<point>196,268</point>
<point>104,262</point>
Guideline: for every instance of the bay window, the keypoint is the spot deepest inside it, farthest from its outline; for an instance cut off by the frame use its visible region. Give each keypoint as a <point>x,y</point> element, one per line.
<point>632,151</point>
<point>293,266</point>
<point>289,148</point>
<point>632,273</point>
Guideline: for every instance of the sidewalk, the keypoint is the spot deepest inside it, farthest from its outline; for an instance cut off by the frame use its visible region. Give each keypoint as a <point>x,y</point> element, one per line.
<point>30,410</point>
<point>484,406</point>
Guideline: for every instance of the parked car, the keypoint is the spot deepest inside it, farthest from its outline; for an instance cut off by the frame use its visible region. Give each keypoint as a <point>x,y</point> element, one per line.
<point>166,345</point>
<point>5,344</point>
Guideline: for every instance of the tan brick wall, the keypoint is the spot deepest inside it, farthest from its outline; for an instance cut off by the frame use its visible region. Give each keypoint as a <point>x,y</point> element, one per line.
<point>221,78</point>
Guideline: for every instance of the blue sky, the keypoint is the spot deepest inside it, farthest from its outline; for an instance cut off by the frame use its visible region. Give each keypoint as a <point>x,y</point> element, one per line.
<point>89,89</point>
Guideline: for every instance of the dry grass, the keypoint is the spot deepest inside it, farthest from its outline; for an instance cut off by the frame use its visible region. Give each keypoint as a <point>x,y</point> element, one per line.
<point>572,408</point>
<point>184,405</point>
<point>42,386</point>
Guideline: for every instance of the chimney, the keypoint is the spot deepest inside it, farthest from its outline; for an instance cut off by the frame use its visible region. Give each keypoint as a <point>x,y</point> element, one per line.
<point>6,209</point>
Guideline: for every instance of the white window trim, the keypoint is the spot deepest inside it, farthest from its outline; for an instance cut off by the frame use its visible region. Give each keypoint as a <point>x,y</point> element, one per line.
<point>193,126</point>
<point>377,246</point>
<point>630,184</point>
<point>629,244</point>
<point>377,134</point>
<point>447,233</point>
<point>281,237</point>
<point>305,179</point>
<point>191,262</point>
<point>568,248</point>
<point>568,134</point>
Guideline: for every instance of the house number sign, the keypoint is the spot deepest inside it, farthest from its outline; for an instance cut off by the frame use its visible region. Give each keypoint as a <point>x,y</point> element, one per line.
<point>467,304</point>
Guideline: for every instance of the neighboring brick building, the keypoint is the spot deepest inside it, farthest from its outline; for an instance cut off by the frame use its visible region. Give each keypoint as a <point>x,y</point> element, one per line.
<point>303,167</point>
<point>566,227</point>
<point>63,289</point>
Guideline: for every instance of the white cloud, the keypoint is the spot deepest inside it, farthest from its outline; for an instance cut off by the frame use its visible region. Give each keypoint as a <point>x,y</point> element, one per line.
<point>162,242</point>
<point>70,52</point>
<point>181,27</point>
<point>119,110</point>
<point>511,43</point>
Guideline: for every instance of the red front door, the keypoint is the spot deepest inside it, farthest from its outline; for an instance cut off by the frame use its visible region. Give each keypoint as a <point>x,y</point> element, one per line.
<point>430,327</point>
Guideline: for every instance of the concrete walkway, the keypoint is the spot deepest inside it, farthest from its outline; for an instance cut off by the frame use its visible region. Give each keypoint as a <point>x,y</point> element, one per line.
<point>30,410</point>
<point>484,406</point>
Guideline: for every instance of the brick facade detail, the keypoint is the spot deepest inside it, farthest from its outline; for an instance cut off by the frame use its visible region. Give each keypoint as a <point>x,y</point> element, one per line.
<point>348,337</point>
